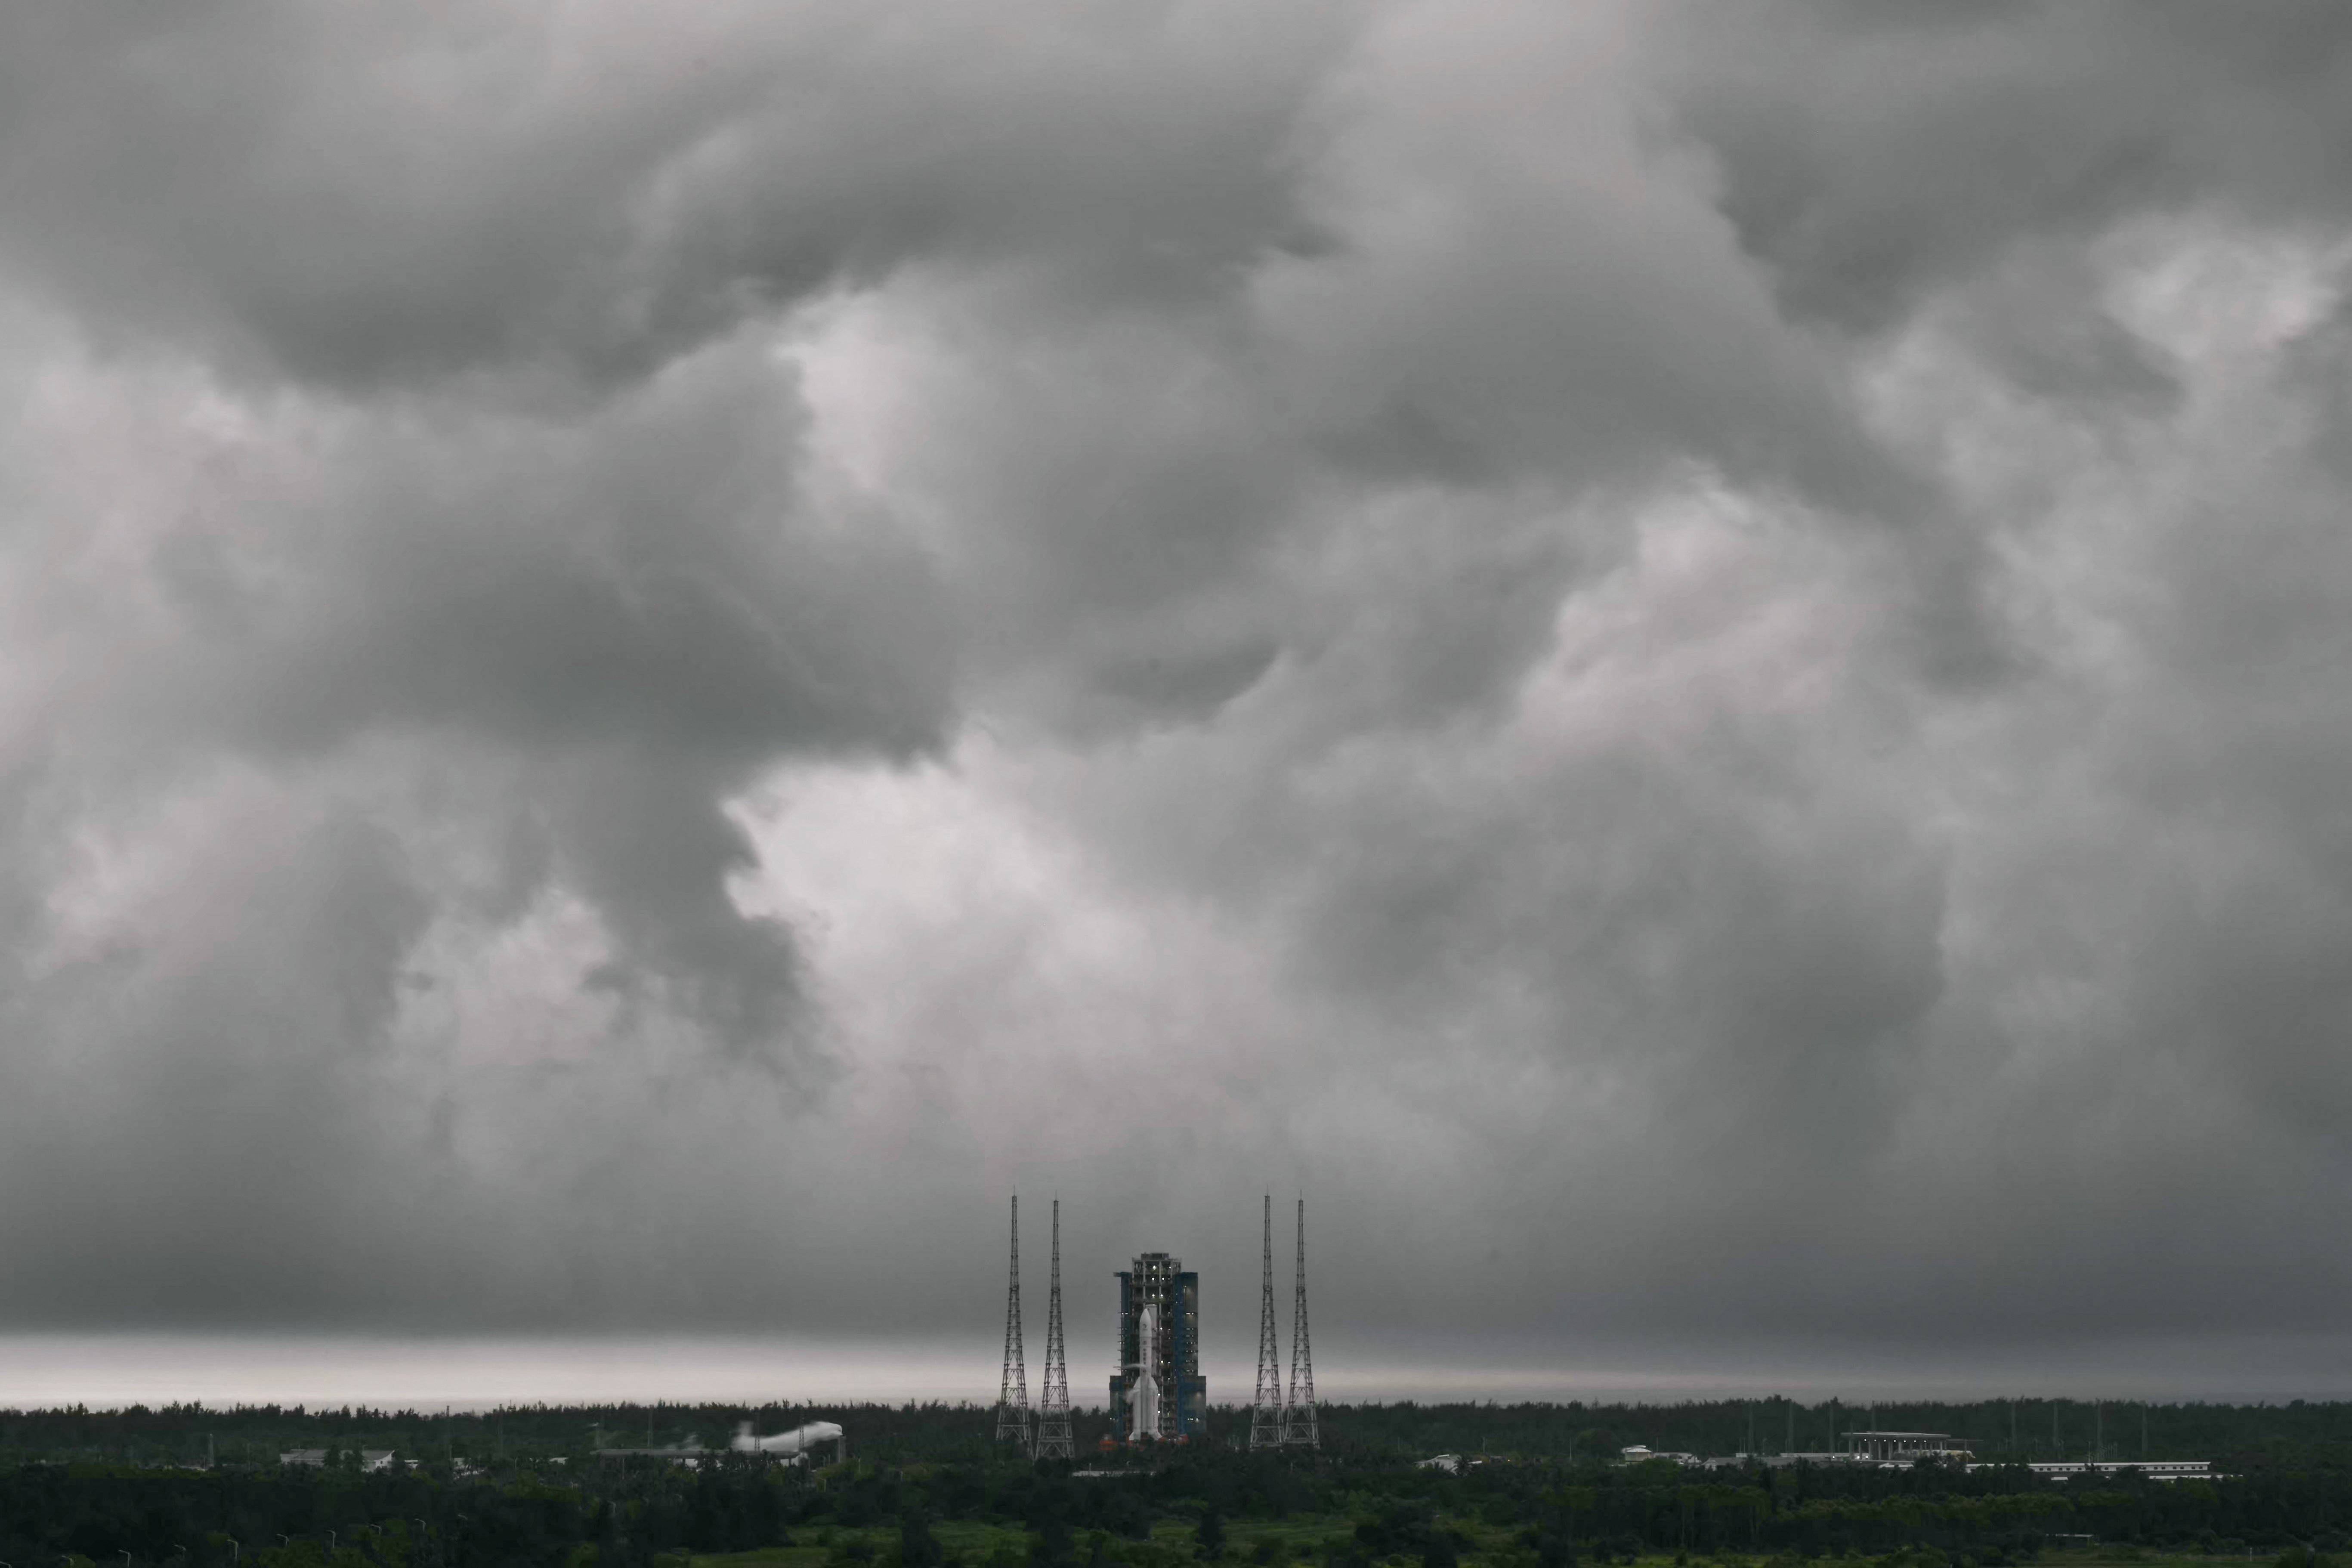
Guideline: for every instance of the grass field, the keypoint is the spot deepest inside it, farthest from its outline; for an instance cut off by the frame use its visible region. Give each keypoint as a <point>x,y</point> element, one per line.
<point>1304,1535</point>
<point>979,1544</point>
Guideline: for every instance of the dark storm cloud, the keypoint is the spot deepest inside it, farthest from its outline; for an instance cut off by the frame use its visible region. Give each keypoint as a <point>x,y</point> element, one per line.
<point>1871,152</point>
<point>648,654</point>
<point>379,195</point>
<point>627,607</point>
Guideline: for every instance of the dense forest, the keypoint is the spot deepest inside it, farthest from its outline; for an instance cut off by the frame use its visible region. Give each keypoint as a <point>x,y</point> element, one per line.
<point>925,1486</point>
<point>2234,1437</point>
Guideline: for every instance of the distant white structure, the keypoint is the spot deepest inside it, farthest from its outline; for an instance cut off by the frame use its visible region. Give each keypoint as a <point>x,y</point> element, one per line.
<point>1143,1393</point>
<point>1450,1463</point>
<point>794,1444</point>
<point>1882,1451</point>
<point>793,1447</point>
<point>2154,1469</point>
<point>1906,1447</point>
<point>370,1460</point>
<point>1900,1450</point>
<point>1642,1453</point>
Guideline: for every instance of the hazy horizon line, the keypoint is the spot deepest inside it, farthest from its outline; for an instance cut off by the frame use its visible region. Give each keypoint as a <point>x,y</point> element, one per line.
<point>55,1370</point>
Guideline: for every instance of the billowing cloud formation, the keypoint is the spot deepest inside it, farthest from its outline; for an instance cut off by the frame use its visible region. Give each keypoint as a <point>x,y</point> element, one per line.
<point>1690,665</point>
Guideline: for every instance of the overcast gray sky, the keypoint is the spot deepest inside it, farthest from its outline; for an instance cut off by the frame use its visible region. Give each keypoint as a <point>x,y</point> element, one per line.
<point>1691,660</point>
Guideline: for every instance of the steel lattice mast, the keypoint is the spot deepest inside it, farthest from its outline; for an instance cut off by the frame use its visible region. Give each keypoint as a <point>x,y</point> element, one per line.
<point>1299,1419</point>
<point>1265,1417</point>
<point>1054,1397</point>
<point>1012,1396</point>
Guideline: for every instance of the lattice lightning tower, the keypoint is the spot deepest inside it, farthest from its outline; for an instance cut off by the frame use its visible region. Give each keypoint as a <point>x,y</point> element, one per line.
<point>1012,1396</point>
<point>1054,1398</point>
<point>1299,1419</point>
<point>1266,1416</point>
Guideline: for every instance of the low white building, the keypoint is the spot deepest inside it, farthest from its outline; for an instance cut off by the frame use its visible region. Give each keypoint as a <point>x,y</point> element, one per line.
<point>370,1460</point>
<point>1906,1447</point>
<point>1641,1452</point>
<point>2154,1469</point>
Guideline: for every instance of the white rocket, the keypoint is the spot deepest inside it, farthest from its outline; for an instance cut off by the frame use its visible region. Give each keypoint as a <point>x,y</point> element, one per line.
<point>794,1443</point>
<point>1143,1393</point>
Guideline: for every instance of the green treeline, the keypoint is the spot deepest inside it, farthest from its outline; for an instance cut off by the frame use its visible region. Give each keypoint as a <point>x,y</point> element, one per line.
<point>2235,1436</point>
<point>926,1488</point>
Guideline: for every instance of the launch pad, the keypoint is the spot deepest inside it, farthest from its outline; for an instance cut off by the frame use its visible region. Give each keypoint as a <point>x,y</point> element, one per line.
<point>1158,1394</point>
